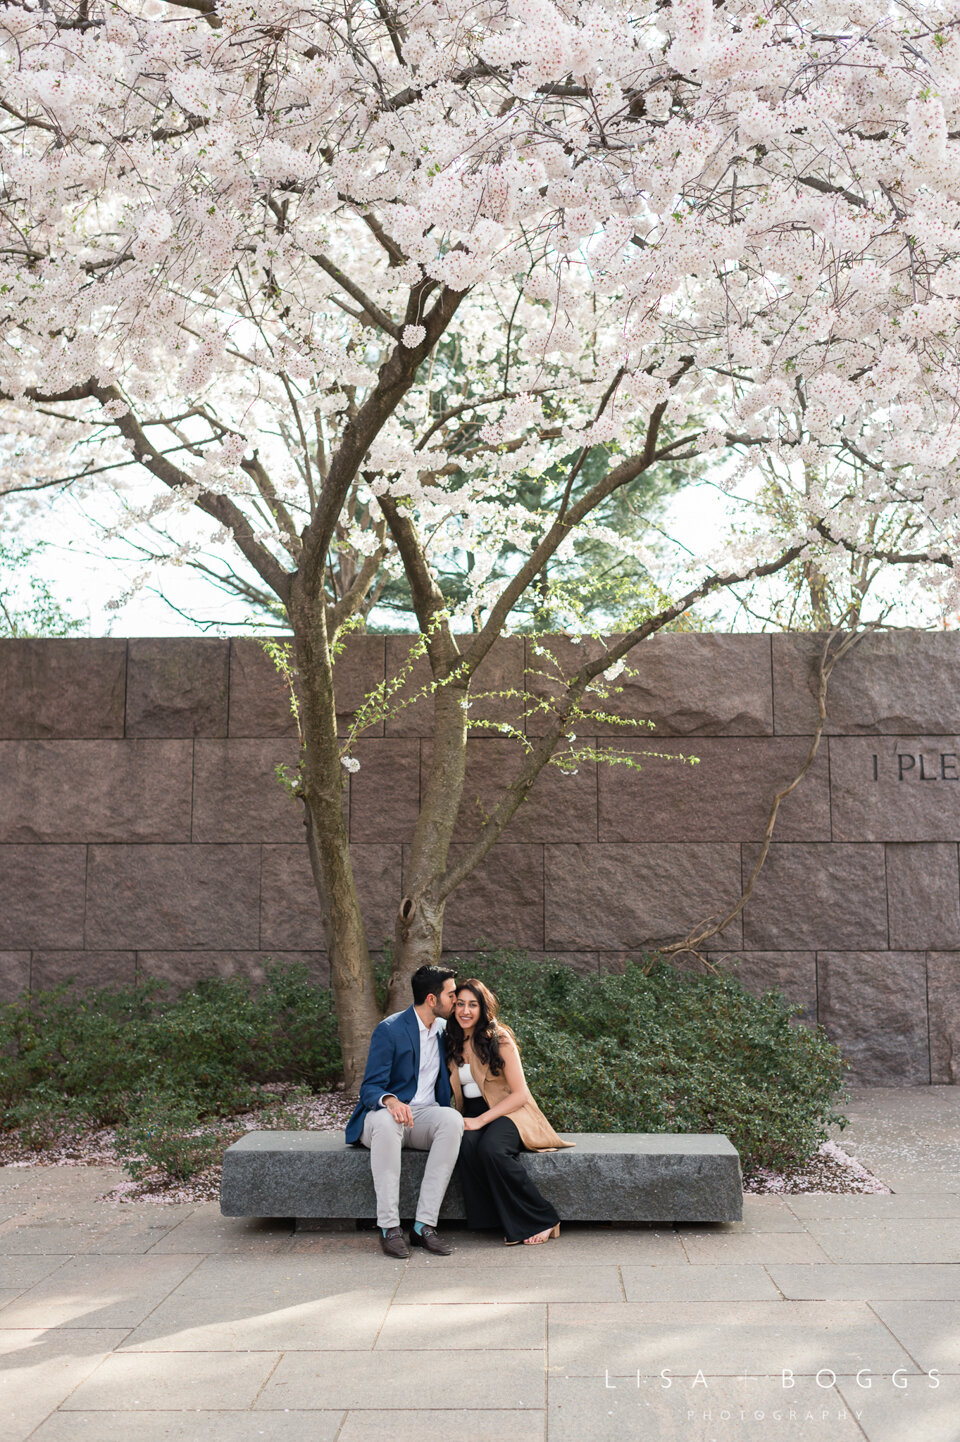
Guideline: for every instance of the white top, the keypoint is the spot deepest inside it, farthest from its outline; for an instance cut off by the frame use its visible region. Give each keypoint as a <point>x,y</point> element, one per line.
<point>467,1083</point>
<point>429,1063</point>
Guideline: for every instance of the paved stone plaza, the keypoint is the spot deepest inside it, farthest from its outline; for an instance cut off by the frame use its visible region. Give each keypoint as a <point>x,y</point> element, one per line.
<point>138,1323</point>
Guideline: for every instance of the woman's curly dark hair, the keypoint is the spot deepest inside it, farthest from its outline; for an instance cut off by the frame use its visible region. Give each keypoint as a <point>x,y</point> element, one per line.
<point>486,1033</point>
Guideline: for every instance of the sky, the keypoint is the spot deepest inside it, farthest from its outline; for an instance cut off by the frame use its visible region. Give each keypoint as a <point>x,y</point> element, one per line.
<point>116,597</point>
<point>89,590</point>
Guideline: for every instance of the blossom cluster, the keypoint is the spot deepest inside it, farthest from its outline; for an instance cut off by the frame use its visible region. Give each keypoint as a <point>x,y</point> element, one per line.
<point>744,218</point>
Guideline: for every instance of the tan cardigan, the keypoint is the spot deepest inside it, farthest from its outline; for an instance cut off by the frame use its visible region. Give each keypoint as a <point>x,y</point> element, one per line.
<point>536,1133</point>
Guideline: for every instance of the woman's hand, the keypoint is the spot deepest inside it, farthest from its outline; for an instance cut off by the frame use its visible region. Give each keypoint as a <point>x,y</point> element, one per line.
<point>472,1124</point>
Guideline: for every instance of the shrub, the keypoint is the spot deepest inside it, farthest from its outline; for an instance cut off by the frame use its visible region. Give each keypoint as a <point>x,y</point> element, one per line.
<point>657,1049</point>
<point>166,1133</point>
<point>100,1054</point>
<point>44,1119</point>
<point>653,1049</point>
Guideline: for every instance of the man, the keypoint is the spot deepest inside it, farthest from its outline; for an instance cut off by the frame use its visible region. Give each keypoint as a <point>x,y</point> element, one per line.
<point>405,1102</point>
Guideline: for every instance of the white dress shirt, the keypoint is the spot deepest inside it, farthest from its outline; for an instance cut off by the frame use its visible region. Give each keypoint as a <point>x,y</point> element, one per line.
<point>429,1063</point>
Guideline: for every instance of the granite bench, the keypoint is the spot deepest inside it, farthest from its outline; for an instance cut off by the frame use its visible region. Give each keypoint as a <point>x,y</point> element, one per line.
<point>612,1177</point>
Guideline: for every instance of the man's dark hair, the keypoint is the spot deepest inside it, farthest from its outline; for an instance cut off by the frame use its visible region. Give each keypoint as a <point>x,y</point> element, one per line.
<point>427,979</point>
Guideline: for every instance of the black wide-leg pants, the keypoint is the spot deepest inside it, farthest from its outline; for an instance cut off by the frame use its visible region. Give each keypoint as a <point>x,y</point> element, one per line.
<point>497,1189</point>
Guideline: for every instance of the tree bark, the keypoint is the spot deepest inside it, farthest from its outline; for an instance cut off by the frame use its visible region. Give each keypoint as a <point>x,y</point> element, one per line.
<point>419,926</point>
<point>322,781</point>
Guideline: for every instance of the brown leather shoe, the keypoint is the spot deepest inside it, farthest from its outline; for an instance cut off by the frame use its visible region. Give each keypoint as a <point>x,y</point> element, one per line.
<point>393,1244</point>
<point>429,1238</point>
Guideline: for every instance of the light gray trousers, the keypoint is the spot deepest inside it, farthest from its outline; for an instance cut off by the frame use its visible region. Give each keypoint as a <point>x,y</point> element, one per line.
<point>436,1130</point>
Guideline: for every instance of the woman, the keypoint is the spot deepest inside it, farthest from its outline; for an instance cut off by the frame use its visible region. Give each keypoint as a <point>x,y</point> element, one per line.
<point>501,1120</point>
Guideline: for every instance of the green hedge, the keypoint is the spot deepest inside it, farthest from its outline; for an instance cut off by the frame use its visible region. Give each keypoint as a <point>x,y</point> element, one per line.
<point>657,1049</point>
<point>653,1049</point>
<point>98,1057</point>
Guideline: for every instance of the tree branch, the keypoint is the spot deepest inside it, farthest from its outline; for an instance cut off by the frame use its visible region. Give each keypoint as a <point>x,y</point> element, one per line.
<point>397,375</point>
<point>543,750</point>
<point>622,475</point>
<point>428,599</point>
<point>353,598</point>
<point>221,508</point>
<point>369,307</point>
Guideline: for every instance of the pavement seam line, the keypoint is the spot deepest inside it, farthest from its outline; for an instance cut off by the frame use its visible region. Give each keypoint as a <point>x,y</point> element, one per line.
<point>386,1314</point>
<point>263,1384</point>
<point>850,1409</point>
<point>199,1262</point>
<point>170,1230</point>
<point>902,1345</point>
<point>10,1301</point>
<point>82,1380</point>
<point>765,1268</point>
<point>546,1371</point>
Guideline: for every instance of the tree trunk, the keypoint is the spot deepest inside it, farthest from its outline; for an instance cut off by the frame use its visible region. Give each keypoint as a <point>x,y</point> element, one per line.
<point>351,970</point>
<point>819,594</point>
<point>419,927</point>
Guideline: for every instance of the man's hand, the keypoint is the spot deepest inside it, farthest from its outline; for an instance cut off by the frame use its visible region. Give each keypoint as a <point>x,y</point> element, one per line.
<point>399,1111</point>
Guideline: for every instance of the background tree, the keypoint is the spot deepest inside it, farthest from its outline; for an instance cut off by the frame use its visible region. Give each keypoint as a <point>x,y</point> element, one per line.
<point>845,586</point>
<point>347,278</point>
<point>28,607</point>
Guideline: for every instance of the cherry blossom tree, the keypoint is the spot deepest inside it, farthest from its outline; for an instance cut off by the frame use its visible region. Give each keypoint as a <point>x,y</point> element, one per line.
<point>341,276</point>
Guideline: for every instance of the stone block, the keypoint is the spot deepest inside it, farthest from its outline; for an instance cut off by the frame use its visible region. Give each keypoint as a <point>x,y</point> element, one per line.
<point>794,973</point>
<point>260,700</point>
<point>88,970</point>
<point>616,962</point>
<point>627,897</point>
<point>41,896</point>
<point>727,796</point>
<point>499,904</point>
<point>290,910</point>
<point>584,963</point>
<point>177,686</point>
<point>182,969</point>
<point>557,805</point>
<point>236,793</point>
<point>943,1000</point>
<point>873,1005</point>
<point>501,671</point>
<point>891,683</point>
<point>95,790</point>
<point>816,895</point>
<point>173,897</point>
<point>686,683</point>
<point>630,1177</point>
<point>923,896</point>
<point>62,689</point>
<point>904,788</point>
<point>14,974</point>
<point>358,669</point>
<point>385,792</point>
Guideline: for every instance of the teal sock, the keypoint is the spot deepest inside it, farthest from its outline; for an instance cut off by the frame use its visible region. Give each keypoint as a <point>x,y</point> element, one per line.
<point>418,1227</point>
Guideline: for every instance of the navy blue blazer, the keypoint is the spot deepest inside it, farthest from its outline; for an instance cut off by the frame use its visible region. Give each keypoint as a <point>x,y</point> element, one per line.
<point>393,1065</point>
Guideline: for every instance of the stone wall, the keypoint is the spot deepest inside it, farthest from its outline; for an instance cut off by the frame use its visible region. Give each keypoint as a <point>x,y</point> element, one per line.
<point>142,829</point>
